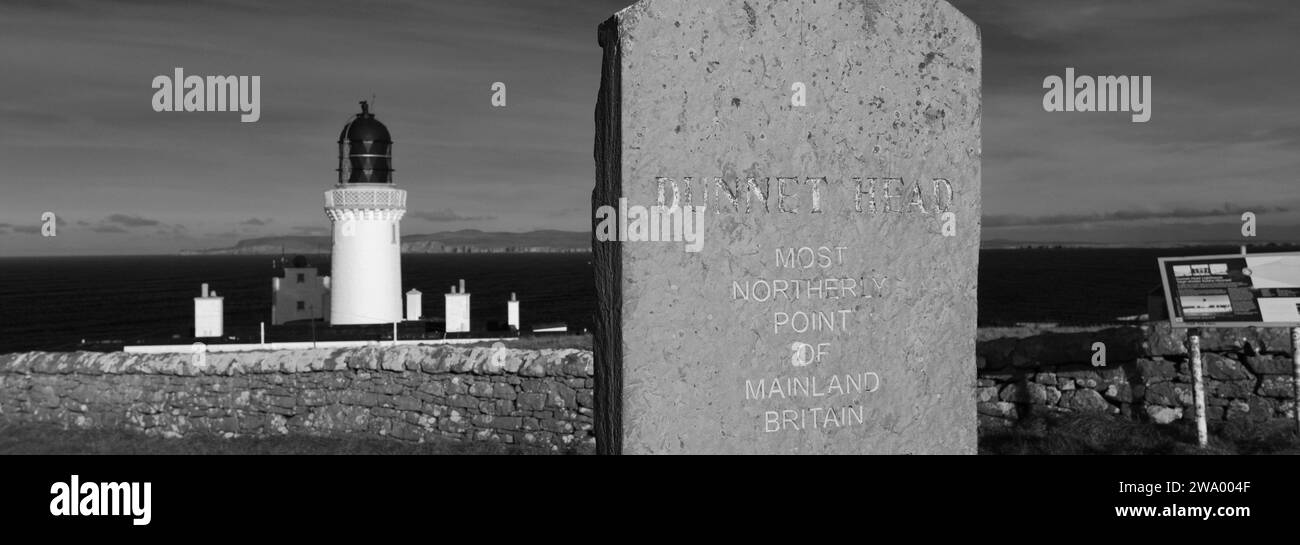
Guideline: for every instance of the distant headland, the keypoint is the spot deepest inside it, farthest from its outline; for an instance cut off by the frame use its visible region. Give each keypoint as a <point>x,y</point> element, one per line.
<point>1257,245</point>
<point>449,242</point>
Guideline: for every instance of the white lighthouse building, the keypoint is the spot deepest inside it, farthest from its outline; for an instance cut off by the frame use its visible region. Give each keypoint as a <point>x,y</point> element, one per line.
<point>366,210</point>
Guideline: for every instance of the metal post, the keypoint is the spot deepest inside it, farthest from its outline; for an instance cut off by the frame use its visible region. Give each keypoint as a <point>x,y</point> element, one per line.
<point>1295,372</point>
<point>263,328</point>
<point>1198,386</point>
<point>394,333</point>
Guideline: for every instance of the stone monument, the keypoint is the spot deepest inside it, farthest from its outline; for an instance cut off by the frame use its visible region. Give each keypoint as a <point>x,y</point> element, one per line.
<point>786,227</point>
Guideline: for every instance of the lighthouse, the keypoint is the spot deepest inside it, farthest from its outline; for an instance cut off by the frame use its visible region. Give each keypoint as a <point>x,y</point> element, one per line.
<point>366,210</point>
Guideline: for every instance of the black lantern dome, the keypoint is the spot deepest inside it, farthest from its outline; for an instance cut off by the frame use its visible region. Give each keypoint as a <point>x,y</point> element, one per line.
<point>365,150</point>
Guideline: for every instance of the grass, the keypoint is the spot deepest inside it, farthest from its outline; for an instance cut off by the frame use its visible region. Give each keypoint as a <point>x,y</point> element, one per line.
<point>1051,434</point>
<point>51,439</point>
<point>1108,434</point>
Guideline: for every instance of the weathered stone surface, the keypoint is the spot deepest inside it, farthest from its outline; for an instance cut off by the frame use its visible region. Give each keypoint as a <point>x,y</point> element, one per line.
<point>997,352</point>
<point>1256,409</point>
<point>1029,392</point>
<point>1271,365</point>
<point>1164,415</point>
<point>1123,344</point>
<point>1231,389</point>
<point>1119,393</point>
<point>1082,379</point>
<point>1084,400</point>
<point>429,359</point>
<point>1169,393</point>
<point>1053,395</point>
<point>1286,409</point>
<point>1114,376</point>
<point>1238,387</point>
<point>481,389</point>
<point>1164,340</point>
<point>1277,386</point>
<point>987,422</point>
<point>371,390</point>
<point>703,89</point>
<point>532,401</point>
<point>1000,409</point>
<point>1153,371</point>
<point>1224,368</point>
<point>1053,349</point>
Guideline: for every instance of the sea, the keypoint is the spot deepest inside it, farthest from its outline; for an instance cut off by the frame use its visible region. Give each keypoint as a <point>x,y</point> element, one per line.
<point>71,303</point>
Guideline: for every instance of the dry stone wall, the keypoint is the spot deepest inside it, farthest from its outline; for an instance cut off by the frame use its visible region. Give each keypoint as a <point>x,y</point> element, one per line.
<point>541,398</point>
<point>1247,372</point>
<point>544,397</point>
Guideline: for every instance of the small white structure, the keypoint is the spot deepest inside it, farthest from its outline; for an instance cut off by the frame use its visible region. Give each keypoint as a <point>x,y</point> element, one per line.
<point>512,311</point>
<point>209,314</point>
<point>414,304</point>
<point>457,313</point>
<point>299,294</point>
<point>551,328</point>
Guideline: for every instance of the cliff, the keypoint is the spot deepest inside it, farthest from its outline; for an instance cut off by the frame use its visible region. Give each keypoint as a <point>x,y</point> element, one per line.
<point>463,241</point>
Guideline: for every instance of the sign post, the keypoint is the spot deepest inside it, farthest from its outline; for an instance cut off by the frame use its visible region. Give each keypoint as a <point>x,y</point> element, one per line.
<point>1295,373</point>
<point>1234,290</point>
<point>1198,386</point>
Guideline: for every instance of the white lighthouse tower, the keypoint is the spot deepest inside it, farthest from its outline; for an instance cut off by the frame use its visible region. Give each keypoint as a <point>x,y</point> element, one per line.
<point>366,209</point>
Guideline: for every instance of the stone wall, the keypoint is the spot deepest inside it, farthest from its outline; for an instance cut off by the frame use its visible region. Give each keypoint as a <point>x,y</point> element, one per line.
<point>1248,375</point>
<point>544,397</point>
<point>411,393</point>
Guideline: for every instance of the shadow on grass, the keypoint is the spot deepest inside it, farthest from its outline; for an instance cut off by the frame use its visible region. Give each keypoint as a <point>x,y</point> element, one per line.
<point>50,439</point>
<point>1108,434</point>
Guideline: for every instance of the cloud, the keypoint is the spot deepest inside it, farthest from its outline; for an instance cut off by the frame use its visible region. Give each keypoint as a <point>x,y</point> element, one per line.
<point>447,215</point>
<point>1012,220</point>
<point>1220,233</point>
<point>1222,129</point>
<point>1224,126</point>
<point>130,221</point>
<point>256,221</point>
<point>108,229</point>
<point>31,229</point>
<point>564,213</point>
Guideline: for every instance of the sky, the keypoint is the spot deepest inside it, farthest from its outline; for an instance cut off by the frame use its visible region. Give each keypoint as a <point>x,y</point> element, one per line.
<point>1224,136</point>
<point>78,135</point>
